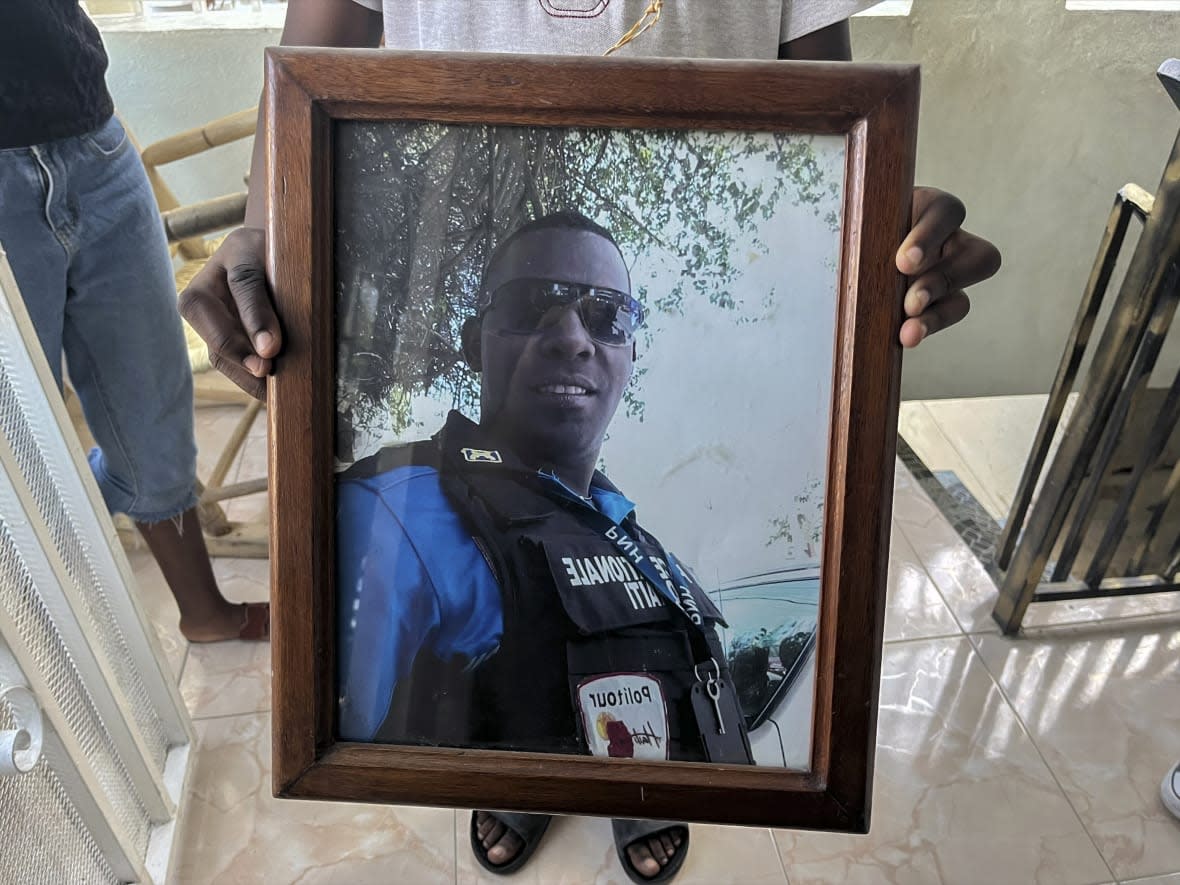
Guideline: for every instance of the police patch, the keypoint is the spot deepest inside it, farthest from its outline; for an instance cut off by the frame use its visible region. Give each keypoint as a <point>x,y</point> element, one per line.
<point>624,716</point>
<point>484,456</point>
<point>600,588</point>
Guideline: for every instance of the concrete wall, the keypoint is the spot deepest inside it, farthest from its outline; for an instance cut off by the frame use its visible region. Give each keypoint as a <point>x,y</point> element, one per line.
<point>1035,116</point>
<point>165,82</point>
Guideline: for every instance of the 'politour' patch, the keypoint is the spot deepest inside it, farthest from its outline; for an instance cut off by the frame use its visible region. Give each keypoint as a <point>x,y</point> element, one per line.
<point>624,716</point>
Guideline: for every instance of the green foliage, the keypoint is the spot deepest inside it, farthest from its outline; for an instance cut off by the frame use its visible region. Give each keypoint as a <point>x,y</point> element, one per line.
<point>420,207</point>
<point>802,531</point>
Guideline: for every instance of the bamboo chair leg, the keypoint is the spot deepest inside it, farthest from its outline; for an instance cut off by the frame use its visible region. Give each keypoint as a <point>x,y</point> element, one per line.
<point>213,520</point>
<point>233,445</point>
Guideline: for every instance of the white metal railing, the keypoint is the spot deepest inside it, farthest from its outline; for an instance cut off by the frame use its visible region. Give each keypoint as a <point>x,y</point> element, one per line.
<point>100,800</point>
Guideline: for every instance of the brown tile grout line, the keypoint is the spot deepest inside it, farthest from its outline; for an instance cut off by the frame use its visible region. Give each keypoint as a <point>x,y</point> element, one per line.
<point>974,650</point>
<point>455,844</point>
<point>196,719</point>
<point>901,640</point>
<point>183,663</point>
<point>921,565</point>
<point>778,852</point>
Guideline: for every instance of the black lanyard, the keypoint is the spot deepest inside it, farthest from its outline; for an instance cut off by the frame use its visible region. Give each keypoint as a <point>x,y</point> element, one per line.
<point>713,703</point>
<point>661,572</point>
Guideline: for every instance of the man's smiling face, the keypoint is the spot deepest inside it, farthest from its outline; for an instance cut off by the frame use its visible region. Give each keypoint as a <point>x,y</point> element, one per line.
<point>552,393</point>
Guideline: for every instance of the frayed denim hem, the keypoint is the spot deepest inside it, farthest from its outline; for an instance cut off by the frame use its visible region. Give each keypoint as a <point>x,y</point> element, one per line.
<point>141,508</point>
<point>151,517</point>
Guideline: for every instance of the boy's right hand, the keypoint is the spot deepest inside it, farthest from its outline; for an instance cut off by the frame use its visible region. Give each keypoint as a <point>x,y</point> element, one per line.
<point>228,304</point>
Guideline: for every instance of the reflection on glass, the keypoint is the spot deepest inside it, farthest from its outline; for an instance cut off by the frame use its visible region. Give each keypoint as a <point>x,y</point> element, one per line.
<point>770,646</point>
<point>583,381</point>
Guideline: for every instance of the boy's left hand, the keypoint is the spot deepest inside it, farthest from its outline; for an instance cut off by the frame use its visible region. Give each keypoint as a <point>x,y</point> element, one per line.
<point>941,260</point>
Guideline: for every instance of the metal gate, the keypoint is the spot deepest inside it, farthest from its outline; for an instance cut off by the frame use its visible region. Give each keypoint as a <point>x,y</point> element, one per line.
<point>94,736</point>
<point>1055,508</point>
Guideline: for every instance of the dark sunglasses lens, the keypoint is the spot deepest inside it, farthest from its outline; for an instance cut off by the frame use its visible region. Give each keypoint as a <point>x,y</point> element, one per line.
<point>525,306</point>
<point>521,306</point>
<point>607,319</point>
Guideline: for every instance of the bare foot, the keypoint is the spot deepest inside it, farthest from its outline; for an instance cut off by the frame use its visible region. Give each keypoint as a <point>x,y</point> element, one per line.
<point>501,843</point>
<point>652,854</point>
<point>205,615</point>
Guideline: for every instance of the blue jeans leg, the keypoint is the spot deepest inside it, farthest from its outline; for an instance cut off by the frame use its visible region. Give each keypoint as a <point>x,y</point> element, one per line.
<point>120,329</point>
<point>39,260</point>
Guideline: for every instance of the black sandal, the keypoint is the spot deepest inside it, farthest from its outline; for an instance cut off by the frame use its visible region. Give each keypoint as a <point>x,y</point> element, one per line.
<point>628,832</point>
<point>529,827</point>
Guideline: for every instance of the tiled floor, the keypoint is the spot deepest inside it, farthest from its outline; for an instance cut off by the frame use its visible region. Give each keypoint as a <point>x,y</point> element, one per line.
<point>1031,760</point>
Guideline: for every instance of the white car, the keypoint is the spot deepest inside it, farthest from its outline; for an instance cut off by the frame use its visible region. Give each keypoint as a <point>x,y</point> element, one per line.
<point>770,648</point>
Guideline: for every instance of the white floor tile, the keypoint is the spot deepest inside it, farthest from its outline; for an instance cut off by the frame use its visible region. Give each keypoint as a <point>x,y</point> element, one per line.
<point>939,451</point>
<point>914,609</point>
<point>226,679</point>
<point>235,831</point>
<point>1104,710</point>
<point>961,794</point>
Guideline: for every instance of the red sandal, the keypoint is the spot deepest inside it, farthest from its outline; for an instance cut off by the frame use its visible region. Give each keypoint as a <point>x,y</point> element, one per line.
<point>256,622</point>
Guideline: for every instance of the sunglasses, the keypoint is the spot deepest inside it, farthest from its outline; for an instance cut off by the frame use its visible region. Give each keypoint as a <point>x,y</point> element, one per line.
<point>526,306</point>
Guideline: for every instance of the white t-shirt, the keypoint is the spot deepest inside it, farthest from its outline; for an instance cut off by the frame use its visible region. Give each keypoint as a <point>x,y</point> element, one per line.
<point>686,29</point>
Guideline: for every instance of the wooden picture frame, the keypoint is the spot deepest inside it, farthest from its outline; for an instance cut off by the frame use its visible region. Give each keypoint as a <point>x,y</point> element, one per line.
<point>874,109</point>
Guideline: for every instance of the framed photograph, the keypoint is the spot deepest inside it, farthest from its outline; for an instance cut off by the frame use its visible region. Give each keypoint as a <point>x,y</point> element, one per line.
<point>583,431</point>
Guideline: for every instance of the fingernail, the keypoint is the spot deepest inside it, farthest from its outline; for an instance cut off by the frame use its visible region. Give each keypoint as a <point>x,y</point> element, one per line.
<point>914,255</point>
<point>263,340</point>
<point>254,365</point>
<point>918,302</point>
<point>923,331</point>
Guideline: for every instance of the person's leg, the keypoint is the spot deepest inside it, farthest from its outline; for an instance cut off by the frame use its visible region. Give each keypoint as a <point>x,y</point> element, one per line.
<point>127,358</point>
<point>38,259</point>
<point>205,615</point>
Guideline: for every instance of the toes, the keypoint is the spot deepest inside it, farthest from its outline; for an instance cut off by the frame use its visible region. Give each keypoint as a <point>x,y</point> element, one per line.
<point>668,845</point>
<point>500,843</point>
<point>512,843</point>
<point>508,846</point>
<point>642,860</point>
<point>655,844</point>
<point>493,835</point>
<point>483,825</point>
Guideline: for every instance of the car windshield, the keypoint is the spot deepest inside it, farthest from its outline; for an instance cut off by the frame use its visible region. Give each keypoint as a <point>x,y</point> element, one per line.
<point>772,620</point>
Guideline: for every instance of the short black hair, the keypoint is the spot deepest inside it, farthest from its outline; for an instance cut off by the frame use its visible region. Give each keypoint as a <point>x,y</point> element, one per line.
<point>562,219</point>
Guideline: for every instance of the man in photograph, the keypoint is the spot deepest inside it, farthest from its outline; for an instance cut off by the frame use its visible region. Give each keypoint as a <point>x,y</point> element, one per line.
<point>495,589</point>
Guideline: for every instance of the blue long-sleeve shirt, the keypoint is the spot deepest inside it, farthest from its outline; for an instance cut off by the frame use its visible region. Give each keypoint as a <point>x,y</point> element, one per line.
<point>409,578</point>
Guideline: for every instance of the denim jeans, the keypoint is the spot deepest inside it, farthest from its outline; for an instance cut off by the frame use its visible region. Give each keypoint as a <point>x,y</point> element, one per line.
<point>87,247</point>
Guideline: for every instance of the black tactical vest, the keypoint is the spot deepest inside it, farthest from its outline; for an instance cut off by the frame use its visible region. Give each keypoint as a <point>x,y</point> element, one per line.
<point>575,607</point>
